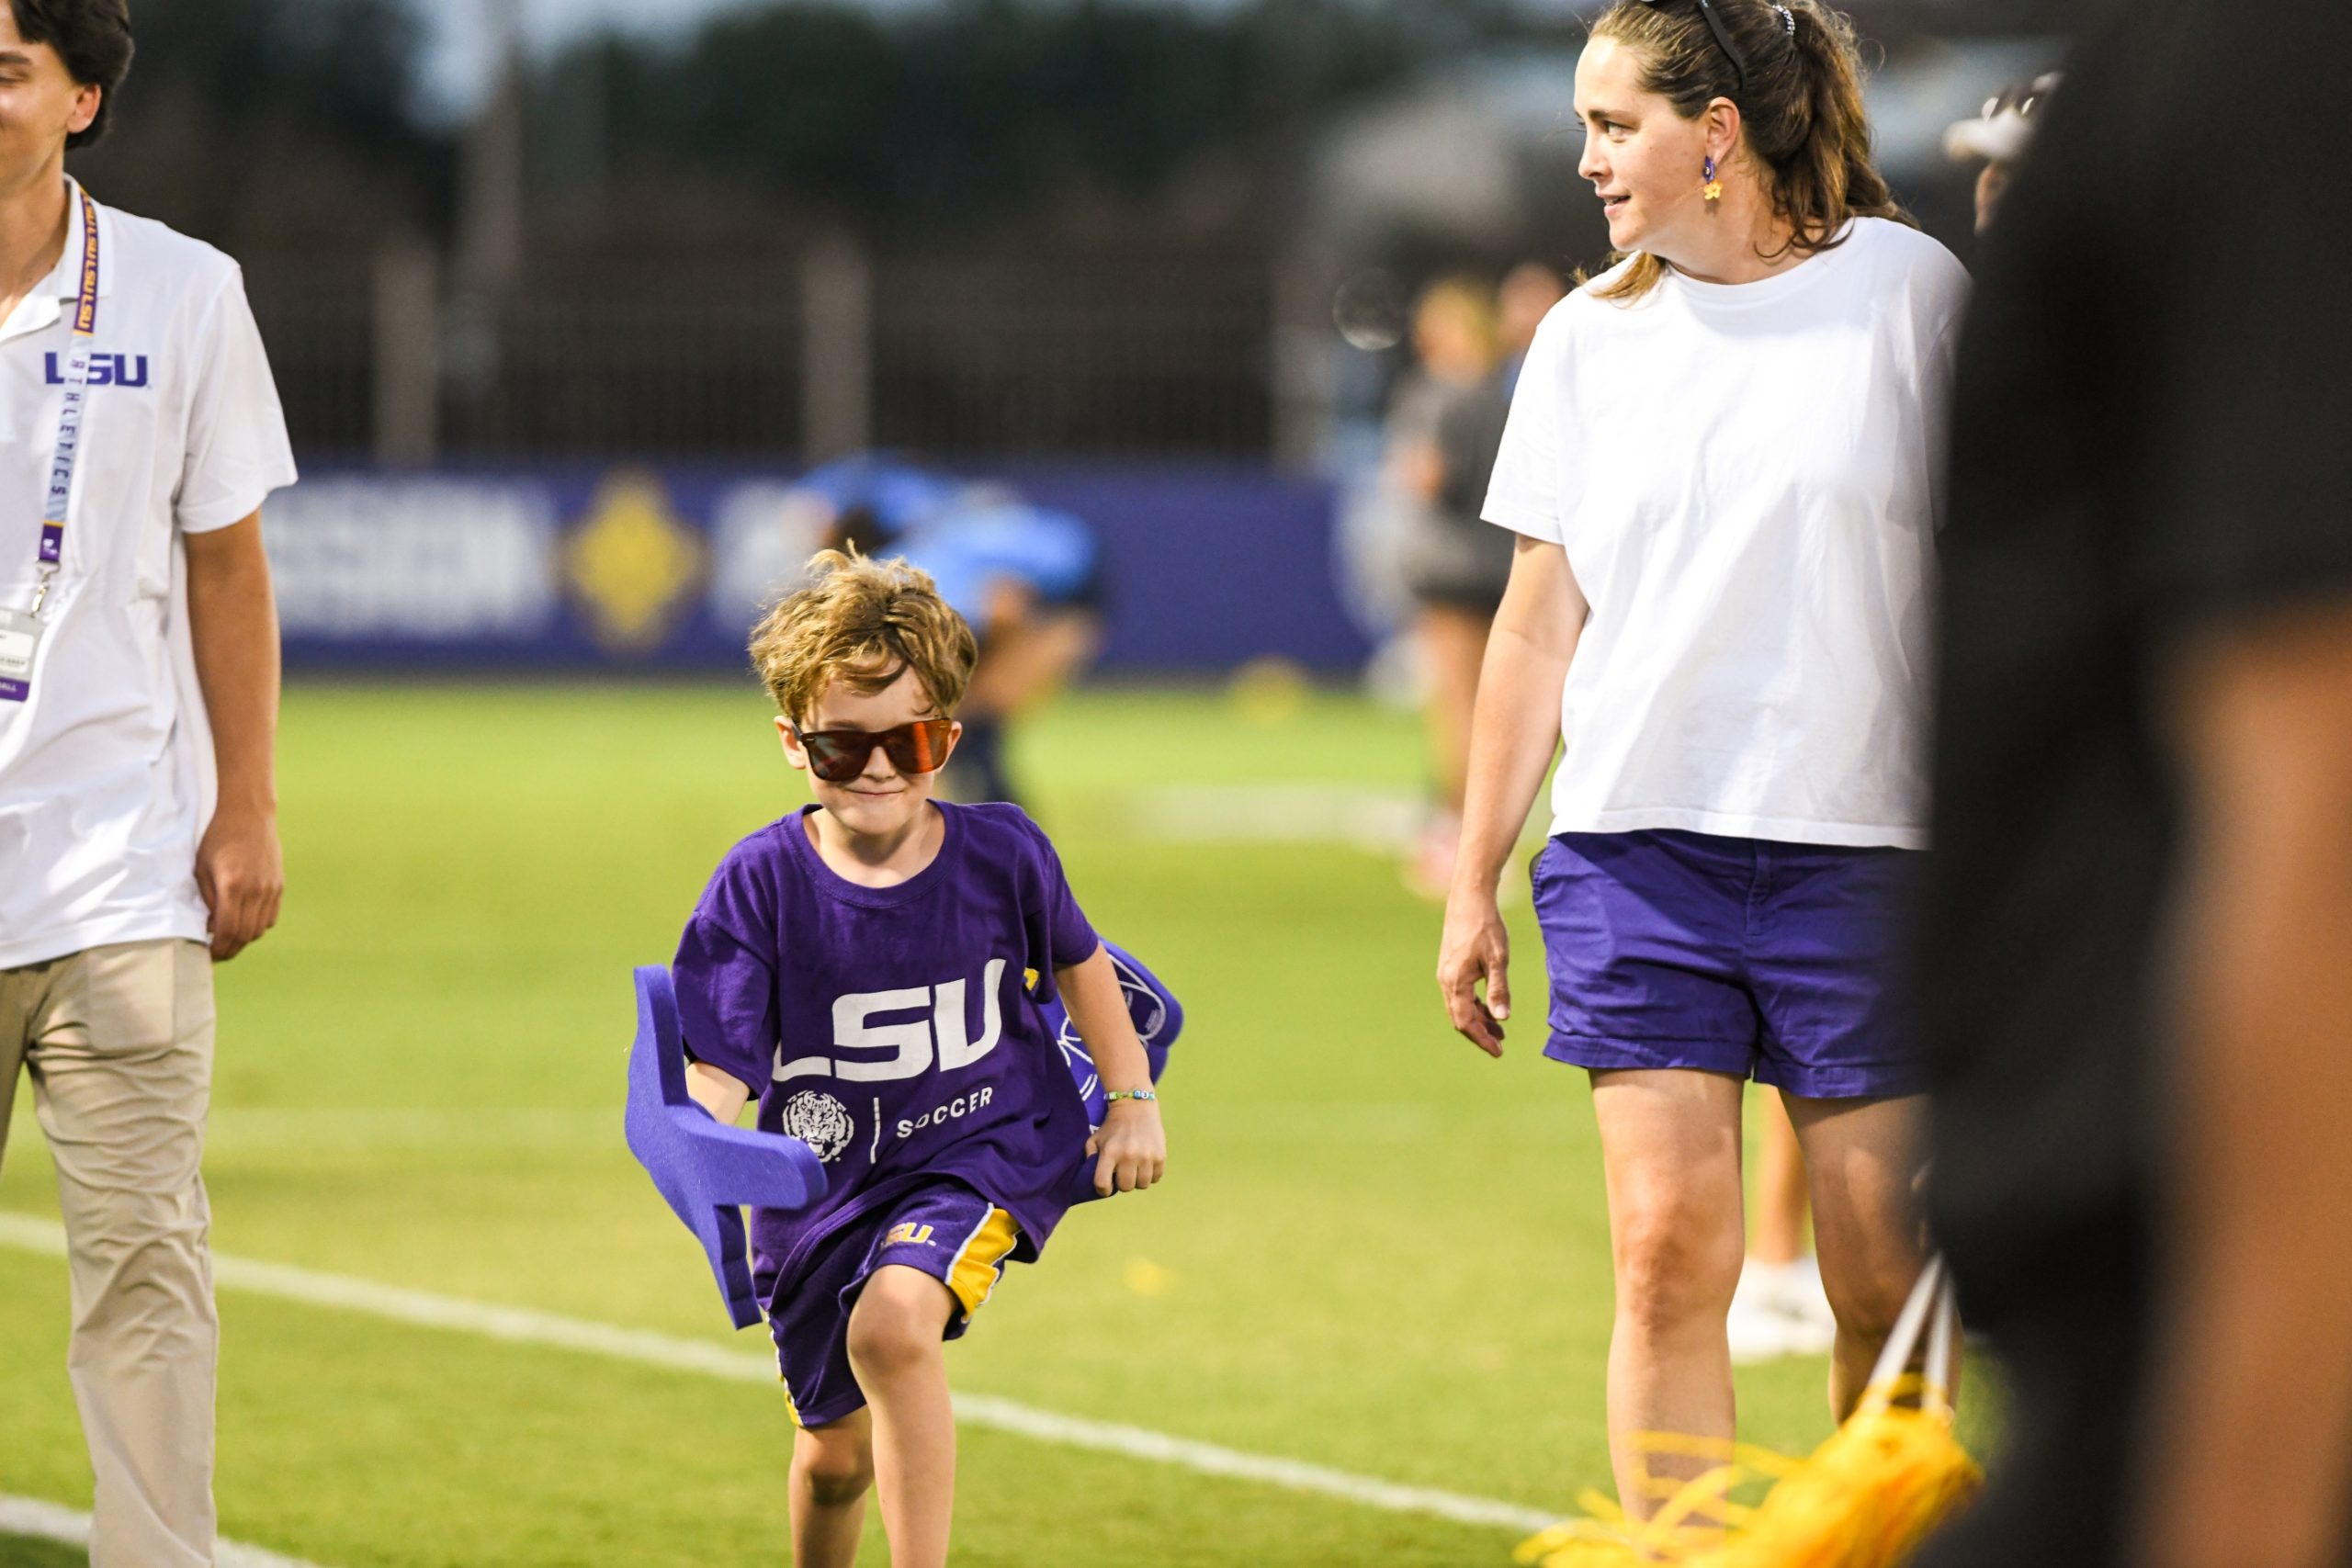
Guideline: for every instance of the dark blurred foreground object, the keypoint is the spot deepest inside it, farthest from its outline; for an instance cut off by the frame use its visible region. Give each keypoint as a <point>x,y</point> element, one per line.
<point>2135,979</point>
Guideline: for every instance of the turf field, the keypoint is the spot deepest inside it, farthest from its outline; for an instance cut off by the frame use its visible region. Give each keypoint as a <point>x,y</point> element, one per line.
<point>1377,1251</point>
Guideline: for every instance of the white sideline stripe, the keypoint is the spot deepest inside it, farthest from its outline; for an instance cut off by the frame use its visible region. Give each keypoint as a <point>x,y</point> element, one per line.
<point>526,1325</point>
<point>1212,1459</point>
<point>29,1517</point>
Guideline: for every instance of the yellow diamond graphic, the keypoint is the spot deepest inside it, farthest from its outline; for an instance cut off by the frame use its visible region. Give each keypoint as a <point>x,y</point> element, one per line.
<point>632,563</point>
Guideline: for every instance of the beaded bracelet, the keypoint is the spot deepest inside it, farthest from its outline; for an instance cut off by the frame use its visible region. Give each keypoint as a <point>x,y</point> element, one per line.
<point>1111,1097</point>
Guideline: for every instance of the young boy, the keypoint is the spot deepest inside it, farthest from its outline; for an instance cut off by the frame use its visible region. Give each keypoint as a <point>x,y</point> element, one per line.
<point>874,965</point>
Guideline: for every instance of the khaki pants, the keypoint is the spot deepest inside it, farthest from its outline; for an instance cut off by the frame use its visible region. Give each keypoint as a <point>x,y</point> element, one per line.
<point>118,1044</point>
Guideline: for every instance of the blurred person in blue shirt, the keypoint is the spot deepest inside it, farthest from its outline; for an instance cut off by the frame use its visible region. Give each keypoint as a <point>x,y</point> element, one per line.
<point>1028,578</point>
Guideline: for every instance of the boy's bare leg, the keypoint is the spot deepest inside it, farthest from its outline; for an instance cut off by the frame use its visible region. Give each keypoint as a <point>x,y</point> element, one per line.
<point>1670,1142</point>
<point>833,1469</point>
<point>896,1350</point>
<point>1864,1159</point>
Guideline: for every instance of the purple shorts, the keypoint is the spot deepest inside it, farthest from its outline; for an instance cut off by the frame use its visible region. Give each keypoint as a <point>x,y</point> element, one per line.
<point>1745,956</point>
<point>946,1229</point>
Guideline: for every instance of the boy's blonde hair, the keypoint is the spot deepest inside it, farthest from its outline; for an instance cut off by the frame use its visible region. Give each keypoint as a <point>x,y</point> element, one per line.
<point>863,623</point>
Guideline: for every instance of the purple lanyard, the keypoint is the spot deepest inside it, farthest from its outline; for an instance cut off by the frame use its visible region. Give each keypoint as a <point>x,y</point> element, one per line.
<point>59,499</point>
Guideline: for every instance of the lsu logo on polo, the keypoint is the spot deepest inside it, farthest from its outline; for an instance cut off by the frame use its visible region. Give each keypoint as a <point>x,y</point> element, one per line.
<point>106,370</point>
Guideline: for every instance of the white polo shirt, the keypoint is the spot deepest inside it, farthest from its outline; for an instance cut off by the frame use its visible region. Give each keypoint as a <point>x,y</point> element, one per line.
<point>106,770</point>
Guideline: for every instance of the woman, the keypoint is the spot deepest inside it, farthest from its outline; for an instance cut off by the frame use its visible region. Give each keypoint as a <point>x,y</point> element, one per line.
<point>1720,463</point>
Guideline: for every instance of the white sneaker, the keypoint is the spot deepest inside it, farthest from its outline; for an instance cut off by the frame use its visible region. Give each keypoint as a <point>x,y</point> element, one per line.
<point>1779,1310</point>
<point>1802,1298</point>
<point>1757,1329</point>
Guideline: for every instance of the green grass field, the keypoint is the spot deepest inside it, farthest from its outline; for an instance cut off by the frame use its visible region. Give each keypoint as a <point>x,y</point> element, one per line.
<point>1377,1250</point>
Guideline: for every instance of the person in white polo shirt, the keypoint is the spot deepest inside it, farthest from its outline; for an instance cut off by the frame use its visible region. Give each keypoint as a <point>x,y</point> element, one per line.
<point>140,434</point>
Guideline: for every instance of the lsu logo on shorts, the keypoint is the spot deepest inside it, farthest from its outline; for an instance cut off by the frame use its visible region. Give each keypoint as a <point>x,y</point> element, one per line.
<point>908,1235</point>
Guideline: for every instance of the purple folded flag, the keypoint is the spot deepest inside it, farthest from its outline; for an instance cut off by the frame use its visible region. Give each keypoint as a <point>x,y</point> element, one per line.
<point>705,1171</point>
<point>1159,1018</point>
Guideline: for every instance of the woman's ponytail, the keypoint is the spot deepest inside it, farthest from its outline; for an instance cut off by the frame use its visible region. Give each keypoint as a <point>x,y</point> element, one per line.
<point>1817,146</point>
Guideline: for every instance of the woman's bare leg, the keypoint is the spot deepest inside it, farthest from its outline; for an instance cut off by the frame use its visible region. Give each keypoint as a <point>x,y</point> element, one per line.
<point>1864,1156</point>
<point>1670,1142</point>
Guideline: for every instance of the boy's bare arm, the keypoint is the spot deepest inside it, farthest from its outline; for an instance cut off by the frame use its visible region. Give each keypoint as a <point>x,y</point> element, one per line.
<point>1132,1148</point>
<point>722,1094</point>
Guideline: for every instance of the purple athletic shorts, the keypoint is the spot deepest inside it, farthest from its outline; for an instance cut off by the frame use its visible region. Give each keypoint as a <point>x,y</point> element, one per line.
<point>1746,957</point>
<point>943,1228</point>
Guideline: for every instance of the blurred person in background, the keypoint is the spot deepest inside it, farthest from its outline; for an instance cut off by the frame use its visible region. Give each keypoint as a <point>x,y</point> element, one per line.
<point>1524,297</point>
<point>1779,1307</point>
<point>2135,972</point>
<point>1444,426</point>
<point>1721,467</point>
<point>138,715</point>
<point>1999,137</point>
<point>1027,578</point>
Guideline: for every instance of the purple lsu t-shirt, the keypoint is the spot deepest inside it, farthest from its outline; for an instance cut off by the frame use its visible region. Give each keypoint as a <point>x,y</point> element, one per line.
<point>895,1030</point>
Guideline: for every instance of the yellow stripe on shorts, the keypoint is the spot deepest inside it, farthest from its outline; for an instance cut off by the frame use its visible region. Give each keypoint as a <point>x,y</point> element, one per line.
<point>974,1274</point>
<point>791,1405</point>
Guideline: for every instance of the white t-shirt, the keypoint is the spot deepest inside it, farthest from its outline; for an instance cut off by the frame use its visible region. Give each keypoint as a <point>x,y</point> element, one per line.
<point>106,771</point>
<point>1745,478</point>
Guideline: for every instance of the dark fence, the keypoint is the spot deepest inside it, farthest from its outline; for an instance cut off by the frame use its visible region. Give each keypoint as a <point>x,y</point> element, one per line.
<point>675,359</point>
<point>1129,361</point>
<point>712,359</point>
<point>318,319</point>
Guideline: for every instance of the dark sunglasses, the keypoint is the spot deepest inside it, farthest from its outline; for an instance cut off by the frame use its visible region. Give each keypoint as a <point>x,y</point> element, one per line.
<point>1722,35</point>
<point>838,756</point>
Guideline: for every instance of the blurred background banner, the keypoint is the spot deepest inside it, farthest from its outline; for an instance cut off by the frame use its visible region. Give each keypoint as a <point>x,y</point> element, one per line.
<point>581,567</point>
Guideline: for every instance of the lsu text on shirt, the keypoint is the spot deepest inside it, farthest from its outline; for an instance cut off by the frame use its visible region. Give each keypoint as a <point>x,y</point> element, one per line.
<point>106,770</point>
<point>895,1030</point>
<point>1744,478</point>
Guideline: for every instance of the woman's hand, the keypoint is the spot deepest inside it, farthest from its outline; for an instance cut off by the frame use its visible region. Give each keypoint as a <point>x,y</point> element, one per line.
<point>1476,947</point>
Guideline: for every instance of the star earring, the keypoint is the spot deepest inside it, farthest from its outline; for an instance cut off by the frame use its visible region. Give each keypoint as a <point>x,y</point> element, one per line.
<point>1714,188</point>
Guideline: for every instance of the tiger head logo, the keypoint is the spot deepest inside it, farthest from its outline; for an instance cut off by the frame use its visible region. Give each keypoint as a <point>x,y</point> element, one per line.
<point>819,1121</point>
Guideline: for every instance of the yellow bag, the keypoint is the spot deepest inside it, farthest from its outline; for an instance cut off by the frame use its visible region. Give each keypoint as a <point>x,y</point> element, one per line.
<point>1866,1498</point>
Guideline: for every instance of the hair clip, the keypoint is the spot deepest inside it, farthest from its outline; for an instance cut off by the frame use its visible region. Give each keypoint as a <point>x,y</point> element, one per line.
<point>1788,20</point>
